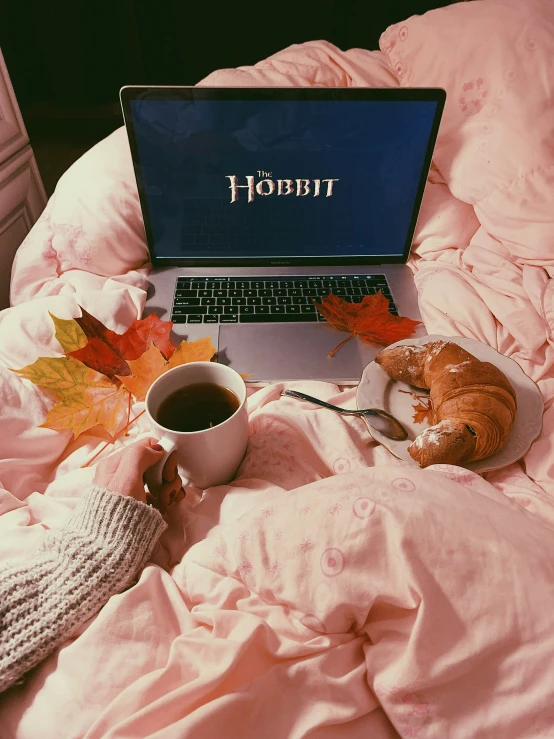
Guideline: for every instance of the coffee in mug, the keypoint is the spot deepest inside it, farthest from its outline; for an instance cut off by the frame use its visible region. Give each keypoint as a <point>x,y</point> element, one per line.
<point>196,407</point>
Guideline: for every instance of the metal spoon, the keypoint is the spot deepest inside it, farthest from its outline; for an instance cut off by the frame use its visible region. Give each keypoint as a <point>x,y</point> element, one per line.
<point>379,420</point>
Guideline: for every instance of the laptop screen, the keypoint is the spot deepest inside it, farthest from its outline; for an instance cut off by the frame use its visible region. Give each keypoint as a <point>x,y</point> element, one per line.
<point>312,180</point>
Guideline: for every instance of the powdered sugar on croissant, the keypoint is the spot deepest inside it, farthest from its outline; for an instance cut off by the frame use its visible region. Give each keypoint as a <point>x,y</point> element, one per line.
<point>473,405</point>
<point>448,442</point>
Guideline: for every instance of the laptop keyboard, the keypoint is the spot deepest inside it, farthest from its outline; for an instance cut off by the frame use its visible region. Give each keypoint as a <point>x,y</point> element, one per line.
<point>281,299</point>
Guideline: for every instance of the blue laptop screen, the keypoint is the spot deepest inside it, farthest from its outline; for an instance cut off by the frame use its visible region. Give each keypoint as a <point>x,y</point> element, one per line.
<point>253,179</point>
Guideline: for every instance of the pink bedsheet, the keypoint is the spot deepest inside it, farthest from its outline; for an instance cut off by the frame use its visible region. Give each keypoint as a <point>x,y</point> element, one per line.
<point>331,590</point>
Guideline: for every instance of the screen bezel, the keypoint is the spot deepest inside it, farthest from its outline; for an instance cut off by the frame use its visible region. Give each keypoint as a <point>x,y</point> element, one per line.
<point>132,92</point>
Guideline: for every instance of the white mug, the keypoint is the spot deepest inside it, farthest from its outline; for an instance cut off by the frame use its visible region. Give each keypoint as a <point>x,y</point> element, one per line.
<point>208,457</point>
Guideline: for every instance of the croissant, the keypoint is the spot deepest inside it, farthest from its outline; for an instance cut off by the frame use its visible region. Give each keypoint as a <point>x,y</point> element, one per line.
<point>473,405</point>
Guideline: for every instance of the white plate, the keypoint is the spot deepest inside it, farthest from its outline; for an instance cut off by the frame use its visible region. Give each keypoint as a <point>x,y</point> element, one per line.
<point>377,390</point>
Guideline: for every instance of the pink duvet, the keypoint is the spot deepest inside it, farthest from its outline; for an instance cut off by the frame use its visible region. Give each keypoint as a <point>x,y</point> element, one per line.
<point>331,591</point>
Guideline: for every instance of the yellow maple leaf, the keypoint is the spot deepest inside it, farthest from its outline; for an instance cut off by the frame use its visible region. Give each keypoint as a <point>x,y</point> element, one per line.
<point>152,364</point>
<point>201,350</point>
<point>70,335</point>
<point>104,405</point>
<point>87,398</point>
<point>60,374</point>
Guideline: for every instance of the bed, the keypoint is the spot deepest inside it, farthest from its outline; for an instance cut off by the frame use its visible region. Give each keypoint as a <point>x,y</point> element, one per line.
<point>331,590</point>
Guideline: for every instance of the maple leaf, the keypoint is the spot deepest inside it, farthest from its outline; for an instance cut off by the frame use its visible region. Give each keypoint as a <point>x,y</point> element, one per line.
<point>422,413</point>
<point>370,319</point>
<point>101,352</point>
<point>59,374</point>
<point>201,350</point>
<point>70,335</point>
<point>144,371</point>
<point>87,398</point>
<point>152,364</point>
<point>109,352</point>
<point>99,355</point>
<point>144,332</point>
<point>97,404</point>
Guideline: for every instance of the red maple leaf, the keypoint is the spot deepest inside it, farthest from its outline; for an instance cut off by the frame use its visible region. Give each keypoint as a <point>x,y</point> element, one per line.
<point>370,319</point>
<point>108,352</point>
<point>101,352</point>
<point>143,332</point>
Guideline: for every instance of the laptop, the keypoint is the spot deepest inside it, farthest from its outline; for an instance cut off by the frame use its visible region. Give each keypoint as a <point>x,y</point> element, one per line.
<point>259,202</point>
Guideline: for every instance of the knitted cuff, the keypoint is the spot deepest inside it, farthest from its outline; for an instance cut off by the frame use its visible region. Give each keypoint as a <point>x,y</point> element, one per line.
<point>117,520</point>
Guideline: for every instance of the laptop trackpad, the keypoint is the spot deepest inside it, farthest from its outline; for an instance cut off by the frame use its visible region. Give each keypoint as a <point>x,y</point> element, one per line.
<point>295,351</point>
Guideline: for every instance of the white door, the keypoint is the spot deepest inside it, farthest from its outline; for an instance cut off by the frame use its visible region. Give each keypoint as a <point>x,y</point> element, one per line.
<point>22,195</point>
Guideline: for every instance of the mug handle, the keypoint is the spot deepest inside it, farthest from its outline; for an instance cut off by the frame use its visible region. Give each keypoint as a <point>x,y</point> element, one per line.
<point>153,476</point>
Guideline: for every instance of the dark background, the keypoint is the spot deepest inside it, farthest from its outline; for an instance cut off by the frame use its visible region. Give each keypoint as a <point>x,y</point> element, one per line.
<point>67,59</point>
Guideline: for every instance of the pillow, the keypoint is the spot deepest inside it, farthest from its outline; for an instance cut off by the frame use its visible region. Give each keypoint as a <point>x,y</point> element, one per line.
<point>92,223</point>
<point>495,59</point>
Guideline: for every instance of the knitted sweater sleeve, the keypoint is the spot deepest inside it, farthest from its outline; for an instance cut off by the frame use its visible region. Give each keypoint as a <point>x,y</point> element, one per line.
<point>94,555</point>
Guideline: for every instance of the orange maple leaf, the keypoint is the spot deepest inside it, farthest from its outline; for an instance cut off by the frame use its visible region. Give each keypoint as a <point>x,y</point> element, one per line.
<point>144,371</point>
<point>152,364</point>
<point>422,413</point>
<point>370,319</point>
